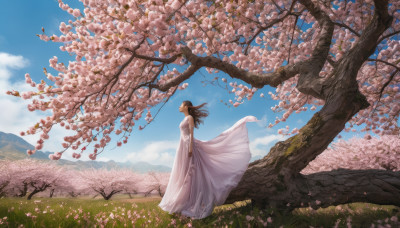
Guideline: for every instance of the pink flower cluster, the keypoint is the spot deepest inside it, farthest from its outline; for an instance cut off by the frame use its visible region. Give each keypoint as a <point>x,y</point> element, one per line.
<point>124,51</point>
<point>359,153</point>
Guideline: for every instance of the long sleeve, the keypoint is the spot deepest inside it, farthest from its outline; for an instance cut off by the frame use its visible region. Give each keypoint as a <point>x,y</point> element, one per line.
<point>191,131</point>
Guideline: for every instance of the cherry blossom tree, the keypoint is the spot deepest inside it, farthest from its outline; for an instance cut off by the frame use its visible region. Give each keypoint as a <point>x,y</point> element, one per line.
<point>20,173</point>
<point>154,182</point>
<point>78,185</point>
<point>359,153</point>
<point>109,182</point>
<point>134,183</point>
<point>72,184</point>
<point>30,176</point>
<point>340,56</point>
<point>5,177</point>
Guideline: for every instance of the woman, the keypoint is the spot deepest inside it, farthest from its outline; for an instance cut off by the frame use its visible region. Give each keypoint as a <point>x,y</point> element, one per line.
<point>204,172</point>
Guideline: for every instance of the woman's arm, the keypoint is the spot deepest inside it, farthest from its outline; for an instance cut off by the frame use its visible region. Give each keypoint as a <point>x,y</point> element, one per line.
<point>191,128</point>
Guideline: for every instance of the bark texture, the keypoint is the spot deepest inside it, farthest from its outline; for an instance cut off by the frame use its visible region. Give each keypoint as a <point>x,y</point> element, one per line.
<point>275,180</point>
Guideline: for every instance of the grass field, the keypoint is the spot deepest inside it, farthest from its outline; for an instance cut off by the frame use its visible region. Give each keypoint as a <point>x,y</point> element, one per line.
<point>121,211</point>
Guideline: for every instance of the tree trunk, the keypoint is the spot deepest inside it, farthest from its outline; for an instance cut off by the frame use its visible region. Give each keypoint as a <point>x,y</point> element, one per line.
<point>51,192</point>
<point>3,187</point>
<point>277,171</point>
<point>33,193</point>
<point>111,194</point>
<point>147,193</point>
<point>159,191</point>
<point>73,194</point>
<point>37,189</point>
<point>105,195</point>
<point>275,180</point>
<point>24,191</point>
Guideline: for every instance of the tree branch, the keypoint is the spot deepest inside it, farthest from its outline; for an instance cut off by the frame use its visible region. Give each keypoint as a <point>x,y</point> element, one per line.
<point>383,61</point>
<point>272,23</point>
<point>351,62</point>
<point>321,50</point>
<point>177,80</point>
<point>323,189</point>
<point>257,80</point>
<point>388,35</point>
<point>291,39</point>
<point>343,186</point>
<point>162,60</point>
<point>347,27</point>
<point>383,88</point>
<point>277,6</point>
<point>331,61</point>
<point>319,54</point>
<point>368,41</point>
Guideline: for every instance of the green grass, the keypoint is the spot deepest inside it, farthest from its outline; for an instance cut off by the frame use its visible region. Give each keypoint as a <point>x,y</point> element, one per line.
<point>121,211</point>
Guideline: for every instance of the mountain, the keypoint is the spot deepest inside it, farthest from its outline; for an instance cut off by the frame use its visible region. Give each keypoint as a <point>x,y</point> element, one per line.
<point>13,147</point>
<point>13,142</point>
<point>253,158</point>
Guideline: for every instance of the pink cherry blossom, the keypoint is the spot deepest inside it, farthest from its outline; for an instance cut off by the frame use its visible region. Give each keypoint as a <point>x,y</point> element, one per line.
<point>359,153</point>
<point>125,54</point>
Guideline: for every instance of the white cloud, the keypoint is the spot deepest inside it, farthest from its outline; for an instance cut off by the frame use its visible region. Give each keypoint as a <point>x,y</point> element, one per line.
<point>259,145</point>
<point>15,116</point>
<point>156,152</point>
<point>9,62</point>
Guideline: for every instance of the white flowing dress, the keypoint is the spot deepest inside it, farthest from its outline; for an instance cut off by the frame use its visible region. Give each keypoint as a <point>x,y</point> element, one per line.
<point>199,183</point>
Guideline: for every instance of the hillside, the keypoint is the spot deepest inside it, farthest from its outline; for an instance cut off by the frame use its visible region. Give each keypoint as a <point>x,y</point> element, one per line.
<point>13,147</point>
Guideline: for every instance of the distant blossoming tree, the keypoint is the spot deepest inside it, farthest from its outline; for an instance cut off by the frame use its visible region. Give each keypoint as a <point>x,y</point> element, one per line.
<point>154,182</point>
<point>130,56</point>
<point>72,185</point>
<point>30,176</point>
<point>109,182</point>
<point>359,153</point>
<point>5,177</point>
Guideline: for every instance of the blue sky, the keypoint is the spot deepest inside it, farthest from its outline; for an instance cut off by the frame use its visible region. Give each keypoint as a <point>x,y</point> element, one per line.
<point>21,51</point>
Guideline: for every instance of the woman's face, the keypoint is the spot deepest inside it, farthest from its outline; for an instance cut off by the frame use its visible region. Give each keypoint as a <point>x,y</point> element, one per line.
<point>182,107</point>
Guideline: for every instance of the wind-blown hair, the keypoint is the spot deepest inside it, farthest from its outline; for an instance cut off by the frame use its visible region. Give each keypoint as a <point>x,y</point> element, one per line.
<point>196,112</point>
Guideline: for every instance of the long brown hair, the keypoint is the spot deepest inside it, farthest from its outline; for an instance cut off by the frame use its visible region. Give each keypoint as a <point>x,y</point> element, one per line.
<point>196,112</point>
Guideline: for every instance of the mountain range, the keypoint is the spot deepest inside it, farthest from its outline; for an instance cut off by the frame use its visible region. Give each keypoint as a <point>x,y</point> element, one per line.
<point>13,147</point>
